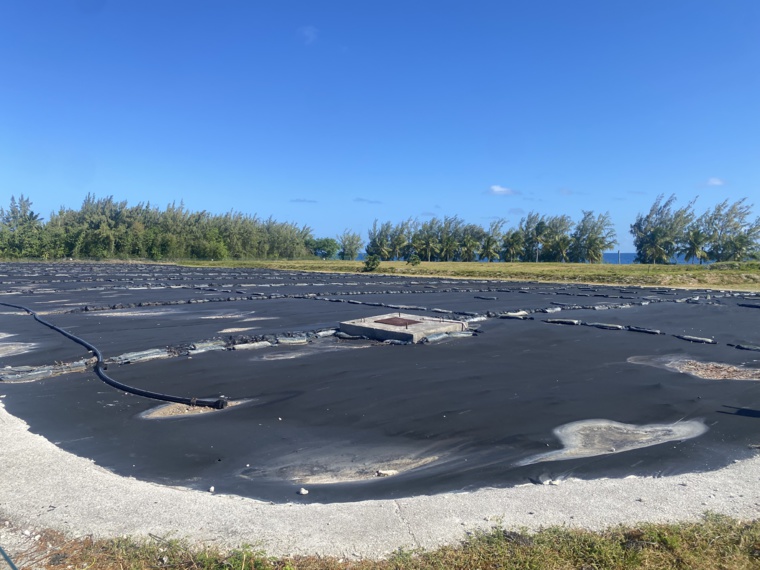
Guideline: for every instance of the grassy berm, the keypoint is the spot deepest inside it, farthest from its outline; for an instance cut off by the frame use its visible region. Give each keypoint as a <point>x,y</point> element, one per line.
<point>729,275</point>
<point>717,542</point>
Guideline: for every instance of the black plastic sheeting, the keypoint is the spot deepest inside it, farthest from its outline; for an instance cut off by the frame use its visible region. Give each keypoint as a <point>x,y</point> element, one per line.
<point>331,408</point>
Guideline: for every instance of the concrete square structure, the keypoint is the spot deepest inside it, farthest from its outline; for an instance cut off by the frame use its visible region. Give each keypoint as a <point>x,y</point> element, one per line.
<point>400,326</point>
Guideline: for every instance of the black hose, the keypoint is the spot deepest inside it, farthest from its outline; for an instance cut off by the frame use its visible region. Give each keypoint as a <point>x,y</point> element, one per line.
<point>7,559</point>
<point>219,403</point>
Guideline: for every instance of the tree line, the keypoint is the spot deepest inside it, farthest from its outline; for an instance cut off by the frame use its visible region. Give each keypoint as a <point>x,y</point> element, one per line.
<point>536,238</point>
<point>103,228</point>
<point>723,233</point>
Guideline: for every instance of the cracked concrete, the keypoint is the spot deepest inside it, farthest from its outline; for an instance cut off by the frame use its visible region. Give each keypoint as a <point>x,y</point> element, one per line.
<point>403,519</point>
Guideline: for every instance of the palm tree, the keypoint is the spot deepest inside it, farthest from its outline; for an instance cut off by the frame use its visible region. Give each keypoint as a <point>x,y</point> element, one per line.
<point>379,240</point>
<point>693,246</point>
<point>469,247</point>
<point>539,232</point>
<point>512,245</point>
<point>658,246</point>
<point>561,247</point>
<point>399,239</point>
<point>425,240</point>
<point>448,232</point>
<point>489,247</point>
<point>738,247</point>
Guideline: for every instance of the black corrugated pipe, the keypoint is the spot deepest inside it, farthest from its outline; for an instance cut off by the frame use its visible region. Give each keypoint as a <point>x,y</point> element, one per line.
<point>219,403</point>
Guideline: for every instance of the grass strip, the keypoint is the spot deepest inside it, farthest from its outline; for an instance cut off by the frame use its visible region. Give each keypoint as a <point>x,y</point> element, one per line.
<point>744,276</point>
<point>715,542</point>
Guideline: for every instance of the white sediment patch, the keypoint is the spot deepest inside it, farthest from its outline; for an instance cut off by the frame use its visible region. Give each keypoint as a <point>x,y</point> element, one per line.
<point>14,348</point>
<point>226,316</point>
<point>6,335</point>
<point>303,350</point>
<point>140,356</point>
<point>698,368</point>
<point>281,356</point>
<point>237,330</point>
<point>590,438</point>
<point>175,410</point>
<point>344,469</point>
<point>129,313</point>
<point>252,345</point>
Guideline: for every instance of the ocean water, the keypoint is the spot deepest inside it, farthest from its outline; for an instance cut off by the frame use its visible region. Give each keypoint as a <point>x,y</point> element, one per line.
<point>625,258</point>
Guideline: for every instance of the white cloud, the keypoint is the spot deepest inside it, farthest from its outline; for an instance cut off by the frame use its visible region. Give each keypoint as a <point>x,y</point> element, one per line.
<point>367,201</point>
<point>497,190</point>
<point>309,34</point>
<point>715,181</point>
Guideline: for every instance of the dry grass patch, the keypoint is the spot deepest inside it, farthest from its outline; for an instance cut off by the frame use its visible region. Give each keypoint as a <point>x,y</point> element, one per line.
<point>743,276</point>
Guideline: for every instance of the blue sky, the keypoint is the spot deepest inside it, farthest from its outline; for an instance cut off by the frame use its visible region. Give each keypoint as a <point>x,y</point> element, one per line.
<point>334,113</point>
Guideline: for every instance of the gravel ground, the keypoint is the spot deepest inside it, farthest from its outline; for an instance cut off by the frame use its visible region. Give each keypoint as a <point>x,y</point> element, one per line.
<point>43,487</point>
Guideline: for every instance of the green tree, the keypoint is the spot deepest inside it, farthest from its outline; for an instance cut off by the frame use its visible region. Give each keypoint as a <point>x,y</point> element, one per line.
<point>471,238</point>
<point>554,238</point>
<point>693,244</point>
<point>656,234</point>
<point>325,248</point>
<point>22,229</point>
<point>512,245</point>
<point>532,228</point>
<point>449,237</point>
<point>732,234</point>
<point>739,247</point>
<point>400,239</point>
<point>379,240</point>
<point>350,244</point>
<point>490,247</point>
<point>371,263</point>
<point>539,236</point>
<point>591,237</point>
<point>426,241</point>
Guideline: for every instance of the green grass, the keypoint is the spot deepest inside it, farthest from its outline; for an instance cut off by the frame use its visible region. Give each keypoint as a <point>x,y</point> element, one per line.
<point>745,276</point>
<point>716,542</point>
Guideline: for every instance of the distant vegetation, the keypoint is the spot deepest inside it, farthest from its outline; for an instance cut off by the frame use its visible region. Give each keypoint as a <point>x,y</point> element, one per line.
<point>105,229</point>
<point>724,233</point>
<point>536,238</point>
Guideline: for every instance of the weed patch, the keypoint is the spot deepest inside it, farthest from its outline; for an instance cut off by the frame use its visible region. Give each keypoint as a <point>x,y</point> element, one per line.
<point>715,542</point>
